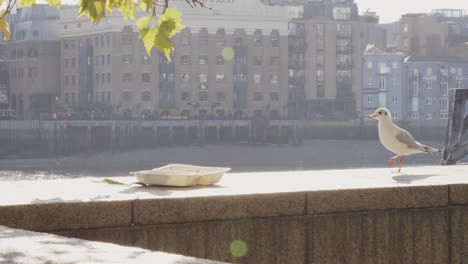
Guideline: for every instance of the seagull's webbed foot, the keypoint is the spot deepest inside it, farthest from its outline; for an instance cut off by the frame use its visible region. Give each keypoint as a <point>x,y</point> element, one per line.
<point>391,162</point>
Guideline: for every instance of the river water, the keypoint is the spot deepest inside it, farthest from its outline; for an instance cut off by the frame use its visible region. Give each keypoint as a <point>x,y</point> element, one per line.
<point>313,155</point>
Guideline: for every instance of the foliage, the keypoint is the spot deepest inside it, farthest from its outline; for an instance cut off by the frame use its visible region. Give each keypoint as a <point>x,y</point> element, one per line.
<point>167,22</point>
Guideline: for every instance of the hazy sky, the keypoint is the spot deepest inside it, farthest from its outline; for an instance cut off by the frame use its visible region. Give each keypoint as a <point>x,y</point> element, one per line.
<point>391,10</point>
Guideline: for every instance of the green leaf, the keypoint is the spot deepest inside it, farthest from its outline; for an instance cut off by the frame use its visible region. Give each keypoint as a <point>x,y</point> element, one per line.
<point>144,22</point>
<point>56,3</point>
<point>148,35</point>
<point>170,22</point>
<point>146,5</point>
<point>128,9</point>
<point>164,44</point>
<point>94,9</point>
<point>27,2</point>
<point>5,28</point>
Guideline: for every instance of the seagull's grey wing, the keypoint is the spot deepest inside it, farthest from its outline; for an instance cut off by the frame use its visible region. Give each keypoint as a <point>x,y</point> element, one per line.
<point>406,138</point>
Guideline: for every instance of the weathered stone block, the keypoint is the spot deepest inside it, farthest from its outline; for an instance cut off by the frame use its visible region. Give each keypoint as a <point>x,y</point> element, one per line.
<point>388,237</point>
<point>121,236</point>
<point>459,234</point>
<point>257,241</point>
<point>458,194</point>
<point>63,216</point>
<point>376,199</point>
<point>155,211</point>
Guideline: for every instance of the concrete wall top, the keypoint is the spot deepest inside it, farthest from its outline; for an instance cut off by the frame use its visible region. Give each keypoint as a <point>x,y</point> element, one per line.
<point>84,203</point>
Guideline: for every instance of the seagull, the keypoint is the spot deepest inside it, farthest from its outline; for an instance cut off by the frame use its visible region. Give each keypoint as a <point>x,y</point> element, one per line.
<point>396,139</point>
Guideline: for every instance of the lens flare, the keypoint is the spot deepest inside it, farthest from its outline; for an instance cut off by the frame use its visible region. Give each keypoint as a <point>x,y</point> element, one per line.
<point>238,248</point>
<point>228,53</point>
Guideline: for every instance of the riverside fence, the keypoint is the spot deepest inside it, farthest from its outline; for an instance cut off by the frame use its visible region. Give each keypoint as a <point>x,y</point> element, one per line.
<point>34,138</point>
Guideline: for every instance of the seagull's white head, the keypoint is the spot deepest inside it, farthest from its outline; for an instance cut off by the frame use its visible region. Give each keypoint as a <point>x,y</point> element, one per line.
<point>381,114</point>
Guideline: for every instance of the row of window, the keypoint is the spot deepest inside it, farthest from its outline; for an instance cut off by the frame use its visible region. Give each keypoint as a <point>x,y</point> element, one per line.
<point>102,78</point>
<point>221,41</point>
<point>220,96</point>
<point>443,87</point>
<point>443,71</point>
<point>17,53</point>
<point>428,101</point>
<point>370,64</point>
<point>99,41</point>
<point>256,61</point>
<point>19,73</point>
<point>429,116</point>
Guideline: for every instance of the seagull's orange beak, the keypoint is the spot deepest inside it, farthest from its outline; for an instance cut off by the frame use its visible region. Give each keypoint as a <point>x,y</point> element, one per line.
<point>372,116</point>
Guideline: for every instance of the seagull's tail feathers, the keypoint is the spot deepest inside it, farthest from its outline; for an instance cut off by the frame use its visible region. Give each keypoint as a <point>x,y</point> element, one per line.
<point>430,149</point>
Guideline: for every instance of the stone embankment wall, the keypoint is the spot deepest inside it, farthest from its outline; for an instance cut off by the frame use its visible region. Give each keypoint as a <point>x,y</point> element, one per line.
<point>327,217</point>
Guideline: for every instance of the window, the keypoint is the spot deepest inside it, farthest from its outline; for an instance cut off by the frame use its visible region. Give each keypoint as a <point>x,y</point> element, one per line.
<point>320,43</point>
<point>185,77</point>
<point>66,80</point>
<point>382,83</point>
<point>185,60</point>
<point>66,63</point>
<point>185,41</point>
<point>203,77</point>
<point>274,96</point>
<point>102,41</point>
<point>219,60</point>
<point>257,41</point>
<point>257,78</point>
<point>428,100</point>
<point>415,115</point>
<point>65,44</point>
<point>460,71</point>
<point>103,78</point>
<point>185,96</point>
<point>238,41</point>
<point>405,27</point>
<point>444,88</point>
<point>258,96</point>
<point>73,44</point>
<point>73,80</point>
<point>395,99</point>
<point>369,81</point>
<point>108,59</point>
<point>428,116</point>
<point>443,115</point>
<point>429,71</point>
<point>319,75</point>
<point>127,77</point>
<point>429,85</point>
<point>103,60</point>
<point>414,88</point>
<point>146,96</point>
<point>443,104</point>
<point>274,78</point>
<point>65,27</point>
<point>73,62</point>
<point>370,98</point>
<point>203,86</point>
<point>459,85</point>
<point>395,65</point>
<point>127,59</point>
<point>145,59</point>
<point>257,61</point>
<point>220,96</point>
<point>320,60</point>
<point>240,77</point>
<point>342,13</point>
<point>394,115</point>
<point>108,41</point>
<point>126,40</point>
<point>203,96</point>
<point>220,77</point>
<point>145,77</point>
<point>395,81</point>
<point>219,42</point>
<point>320,29</point>
<point>96,78</point>
<point>275,42</point>
<point>203,40</point>
<point>96,60</point>
<point>108,77</point>
<point>274,61</point>
<point>370,64</point>
<point>203,60</point>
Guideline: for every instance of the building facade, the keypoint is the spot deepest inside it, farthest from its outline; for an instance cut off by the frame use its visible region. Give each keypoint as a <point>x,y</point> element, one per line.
<point>231,60</point>
<point>429,79</point>
<point>383,83</point>
<point>414,88</point>
<point>33,89</point>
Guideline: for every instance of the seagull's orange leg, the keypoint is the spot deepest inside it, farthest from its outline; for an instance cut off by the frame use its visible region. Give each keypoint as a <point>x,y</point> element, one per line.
<point>391,162</point>
<point>401,163</point>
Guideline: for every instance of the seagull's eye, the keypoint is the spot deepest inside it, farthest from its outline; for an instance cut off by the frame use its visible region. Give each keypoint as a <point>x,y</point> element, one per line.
<point>385,113</point>
<point>380,113</point>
